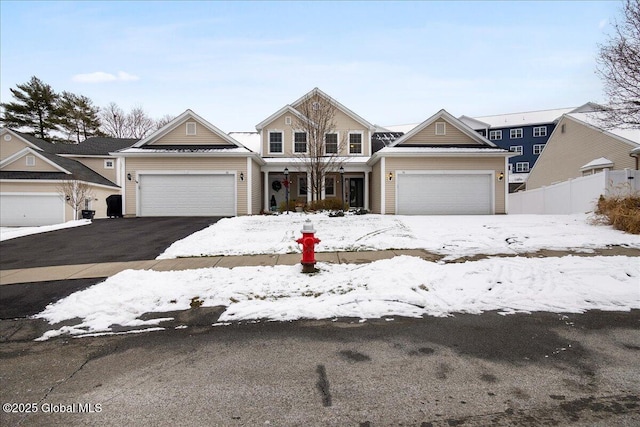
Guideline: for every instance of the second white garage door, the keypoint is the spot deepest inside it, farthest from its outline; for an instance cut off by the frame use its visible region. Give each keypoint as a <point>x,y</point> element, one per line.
<point>27,210</point>
<point>187,195</point>
<point>444,194</point>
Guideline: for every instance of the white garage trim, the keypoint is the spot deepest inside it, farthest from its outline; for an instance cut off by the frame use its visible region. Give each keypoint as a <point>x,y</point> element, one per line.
<point>141,174</point>
<point>13,216</point>
<point>490,174</point>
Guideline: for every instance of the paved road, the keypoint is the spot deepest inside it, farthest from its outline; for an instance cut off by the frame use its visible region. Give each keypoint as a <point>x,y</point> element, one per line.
<point>471,370</point>
<point>104,240</point>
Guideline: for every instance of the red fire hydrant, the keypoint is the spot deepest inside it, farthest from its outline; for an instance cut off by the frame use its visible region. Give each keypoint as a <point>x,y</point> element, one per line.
<point>308,242</point>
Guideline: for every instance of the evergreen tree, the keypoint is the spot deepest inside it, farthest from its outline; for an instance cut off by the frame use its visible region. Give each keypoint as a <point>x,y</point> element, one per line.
<point>78,117</point>
<point>35,108</point>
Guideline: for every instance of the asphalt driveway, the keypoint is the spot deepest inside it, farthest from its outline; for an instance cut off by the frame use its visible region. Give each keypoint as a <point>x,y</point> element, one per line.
<point>104,240</point>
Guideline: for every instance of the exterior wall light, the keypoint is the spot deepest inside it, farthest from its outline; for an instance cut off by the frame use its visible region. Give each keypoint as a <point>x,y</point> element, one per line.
<point>390,176</point>
<point>129,176</point>
<point>241,176</point>
<point>500,176</point>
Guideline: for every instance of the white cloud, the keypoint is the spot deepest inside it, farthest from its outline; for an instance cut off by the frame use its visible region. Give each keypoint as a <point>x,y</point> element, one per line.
<point>102,77</point>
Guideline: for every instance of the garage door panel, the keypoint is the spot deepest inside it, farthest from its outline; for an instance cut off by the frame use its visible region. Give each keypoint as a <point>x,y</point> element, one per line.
<point>26,210</point>
<point>444,194</point>
<point>187,195</point>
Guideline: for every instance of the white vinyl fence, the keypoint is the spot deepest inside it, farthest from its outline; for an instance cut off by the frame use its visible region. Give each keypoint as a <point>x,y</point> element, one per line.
<point>577,195</point>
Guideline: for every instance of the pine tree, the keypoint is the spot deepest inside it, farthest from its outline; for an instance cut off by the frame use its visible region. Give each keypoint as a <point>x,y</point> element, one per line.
<point>35,109</point>
<point>78,117</point>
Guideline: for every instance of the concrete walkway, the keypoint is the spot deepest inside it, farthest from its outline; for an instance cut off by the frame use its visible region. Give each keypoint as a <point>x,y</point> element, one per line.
<point>89,271</point>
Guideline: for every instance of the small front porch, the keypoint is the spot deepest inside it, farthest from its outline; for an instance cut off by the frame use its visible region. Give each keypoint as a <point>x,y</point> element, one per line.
<point>351,187</point>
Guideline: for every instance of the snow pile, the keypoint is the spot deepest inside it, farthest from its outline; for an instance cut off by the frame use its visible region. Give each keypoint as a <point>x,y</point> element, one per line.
<point>402,286</point>
<point>7,233</point>
<point>452,236</point>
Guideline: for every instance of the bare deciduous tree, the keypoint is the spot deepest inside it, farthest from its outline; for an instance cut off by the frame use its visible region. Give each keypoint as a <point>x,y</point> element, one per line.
<point>316,129</point>
<point>75,193</point>
<point>114,121</point>
<point>619,68</point>
<point>162,121</point>
<point>139,123</point>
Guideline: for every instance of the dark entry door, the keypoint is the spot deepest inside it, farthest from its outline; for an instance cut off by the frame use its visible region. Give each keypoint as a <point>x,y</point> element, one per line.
<point>356,193</point>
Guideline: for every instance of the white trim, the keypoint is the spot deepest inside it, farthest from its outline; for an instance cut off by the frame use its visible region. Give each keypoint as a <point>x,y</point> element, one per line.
<point>195,128</point>
<point>515,130</point>
<point>355,132</point>
<point>269,132</point>
<point>443,131</point>
<point>186,172</point>
<point>518,149</point>
<point>541,148</point>
<point>113,163</point>
<point>287,120</point>
<point>123,184</point>
<point>543,134</point>
<point>324,145</point>
<point>383,178</point>
<point>324,190</point>
<point>277,114</point>
<point>490,172</point>
<point>366,191</point>
<point>293,141</point>
<point>27,142</point>
<point>522,171</point>
<point>248,179</point>
<point>30,151</point>
<point>30,160</point>
<point>54,181</point>
<point>495,132</point>
<point>506,185</point>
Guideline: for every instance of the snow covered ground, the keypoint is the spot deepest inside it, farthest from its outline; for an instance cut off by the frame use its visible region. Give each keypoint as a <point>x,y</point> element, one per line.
<point>402,286</point>
<point>452,236</point>
<point>7,233</point>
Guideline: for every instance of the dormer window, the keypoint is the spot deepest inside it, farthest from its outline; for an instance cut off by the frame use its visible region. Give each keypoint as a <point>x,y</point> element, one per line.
<point>441,128</point>
<point>31,160</point>
<point>191,128</point>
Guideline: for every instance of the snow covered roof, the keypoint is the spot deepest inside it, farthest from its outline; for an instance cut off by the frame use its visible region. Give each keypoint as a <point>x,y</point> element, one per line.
<point>226,149</point>
<point>401,128</point>
<point>525,118</point>
<point>251,140</point>
<point>596,119</point>
<point>601,162</point>
<point>446,150</point>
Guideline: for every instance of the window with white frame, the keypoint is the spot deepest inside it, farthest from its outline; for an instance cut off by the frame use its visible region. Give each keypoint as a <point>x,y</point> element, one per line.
<point>31,160</point>
<point>516,149</point>
<point>287,120</point>
<point>275,142</point>
<point>539,131</point>
<point>108,164</point>
<point>191,128</point>
<point>522,167</point>
<point>441,128</point>
<point>299,142</point>
<point>302,186</point>
<point>515,133</point>
<point>537,148</point>
<point>355,143</point>
<point>331,143</point>
<point>495,135</point>
<point>329,186</point>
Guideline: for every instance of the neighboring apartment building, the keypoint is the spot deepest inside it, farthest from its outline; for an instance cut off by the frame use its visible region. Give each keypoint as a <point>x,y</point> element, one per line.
<point>524,134</point>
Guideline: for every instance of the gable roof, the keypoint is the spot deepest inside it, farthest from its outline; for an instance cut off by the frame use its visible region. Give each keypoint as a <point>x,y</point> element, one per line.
<point>453,121</point>
<point>286,108</point>
<point>315,91</point>
<point>595,120</point>
<point>29,140</point>
<point>67,168</point>
<point>173,124</point>
<point>95,146</point>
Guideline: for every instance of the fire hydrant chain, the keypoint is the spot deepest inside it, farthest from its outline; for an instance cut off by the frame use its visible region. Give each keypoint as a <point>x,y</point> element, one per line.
<point>308,242</point>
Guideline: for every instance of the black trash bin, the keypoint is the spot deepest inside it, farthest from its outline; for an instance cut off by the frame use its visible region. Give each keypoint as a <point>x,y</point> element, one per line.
<point>87,214</point>
<point>114,206</point>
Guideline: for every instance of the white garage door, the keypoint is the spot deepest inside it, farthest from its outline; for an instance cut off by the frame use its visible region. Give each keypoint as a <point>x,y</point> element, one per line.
<point>187,195</point>
<point>28,210</point>
<point>444,194</point>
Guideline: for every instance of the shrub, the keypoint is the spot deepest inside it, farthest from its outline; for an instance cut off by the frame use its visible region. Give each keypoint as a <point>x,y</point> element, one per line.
<point>283,206</point>
<point>623,213</point>
<point>327,205</point>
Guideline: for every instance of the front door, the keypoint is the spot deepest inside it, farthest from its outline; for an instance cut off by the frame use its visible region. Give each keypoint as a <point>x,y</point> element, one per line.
<point>356,192</point>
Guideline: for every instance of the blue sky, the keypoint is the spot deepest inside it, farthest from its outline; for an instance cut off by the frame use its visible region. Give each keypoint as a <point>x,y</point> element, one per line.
<point>235,63</point>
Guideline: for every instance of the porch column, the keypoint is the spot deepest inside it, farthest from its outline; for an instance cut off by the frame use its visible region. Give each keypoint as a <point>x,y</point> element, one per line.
<point>366,190</point>
<point>309,187</point>
<point>322,193</point>
<point>265,193</point>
